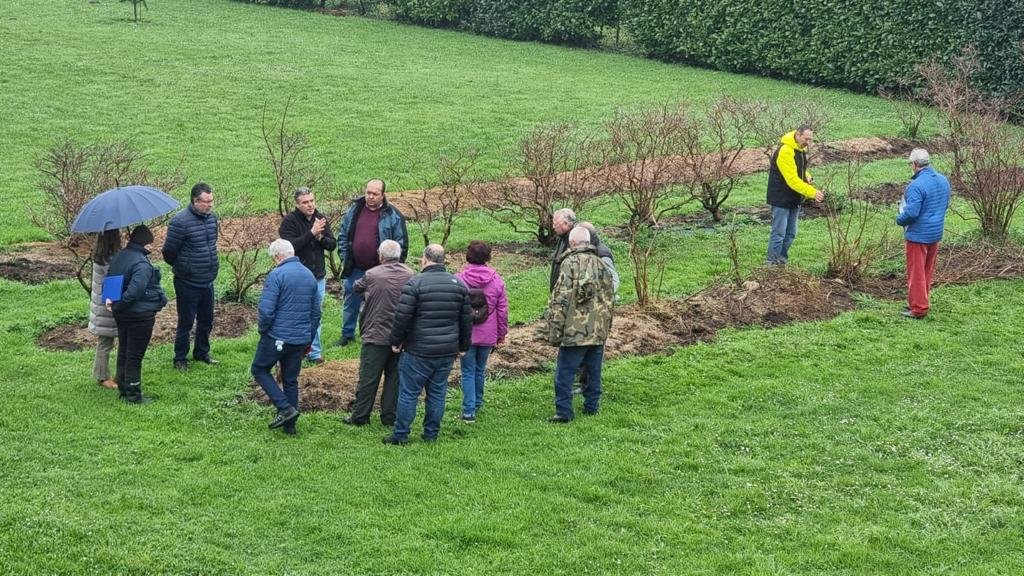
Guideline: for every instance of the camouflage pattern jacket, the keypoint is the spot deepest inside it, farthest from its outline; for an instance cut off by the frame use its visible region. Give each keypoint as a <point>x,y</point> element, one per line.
<point>579,312</point>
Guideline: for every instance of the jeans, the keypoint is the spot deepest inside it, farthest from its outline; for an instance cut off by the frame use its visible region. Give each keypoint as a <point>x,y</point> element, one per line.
<point>133,335</point>
<point>920,267</point>
<point>101,362</point>
<point>321,289</point>
<point>290,358</point>
<point>570,358</point>
<point>415,374</point>
<point>374,360</point>
<point>353,301</point>
<point>782,235</point>
<point>195,306</point>
<point>474,364</point>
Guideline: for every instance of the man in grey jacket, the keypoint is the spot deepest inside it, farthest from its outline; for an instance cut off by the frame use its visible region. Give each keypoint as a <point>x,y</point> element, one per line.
<point>380,289</point>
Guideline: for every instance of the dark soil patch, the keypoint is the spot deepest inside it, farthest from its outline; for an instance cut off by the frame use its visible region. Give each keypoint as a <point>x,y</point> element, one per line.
<point>881,195</point>
<point>230,321</point>
<point>36,271</point>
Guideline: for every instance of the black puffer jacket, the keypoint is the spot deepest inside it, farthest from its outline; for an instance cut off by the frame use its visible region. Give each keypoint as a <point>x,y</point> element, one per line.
<point>433,317</point>
<point>143,296</point>
<point>191,247</point>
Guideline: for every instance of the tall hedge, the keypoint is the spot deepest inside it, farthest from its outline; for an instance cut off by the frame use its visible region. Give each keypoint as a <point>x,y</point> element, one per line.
<point>861,44</point>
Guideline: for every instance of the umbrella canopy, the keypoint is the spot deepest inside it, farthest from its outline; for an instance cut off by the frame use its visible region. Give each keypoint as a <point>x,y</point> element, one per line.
<point>122,207</point>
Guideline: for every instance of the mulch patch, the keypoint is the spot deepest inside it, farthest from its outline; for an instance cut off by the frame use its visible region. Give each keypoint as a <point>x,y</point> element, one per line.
<point>230,321</point>
<point>882,195</point>
<point>29,271</point>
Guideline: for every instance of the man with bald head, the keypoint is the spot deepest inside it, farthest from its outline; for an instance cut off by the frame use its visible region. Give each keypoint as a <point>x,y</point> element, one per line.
<point>433,325</point>
<point>368,221</point>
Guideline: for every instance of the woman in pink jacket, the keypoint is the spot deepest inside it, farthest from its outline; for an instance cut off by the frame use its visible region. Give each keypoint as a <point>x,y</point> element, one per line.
<point>490,323</point>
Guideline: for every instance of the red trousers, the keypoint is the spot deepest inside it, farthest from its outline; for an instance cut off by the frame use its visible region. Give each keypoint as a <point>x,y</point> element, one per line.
<point>920,265</point>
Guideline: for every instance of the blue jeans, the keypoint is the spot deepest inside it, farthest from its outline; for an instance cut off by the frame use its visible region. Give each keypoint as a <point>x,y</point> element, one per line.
<point>321,289</point>
<point>570,358</point>
<point>414,374</point>
<point>195,306</point>
<point>290,358</point>
<point>474,364</point>
<point>353,301</point>
<point>783,232</point>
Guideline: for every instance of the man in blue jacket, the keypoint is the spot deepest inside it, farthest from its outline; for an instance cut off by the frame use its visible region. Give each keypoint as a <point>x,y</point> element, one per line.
<point>191,250</point>
<point>369,221</point>
<point>923,216</point>
<point>289,314</point>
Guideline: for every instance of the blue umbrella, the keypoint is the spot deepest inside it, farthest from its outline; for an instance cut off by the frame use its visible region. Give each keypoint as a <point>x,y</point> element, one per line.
<point>122,207</point>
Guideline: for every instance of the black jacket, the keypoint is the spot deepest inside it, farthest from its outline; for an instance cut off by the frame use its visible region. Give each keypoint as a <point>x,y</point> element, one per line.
<point>433,317</point>
<point>191,247</point>
<point>142,295</point>
<point>556,260</point>
<point>297,229</point>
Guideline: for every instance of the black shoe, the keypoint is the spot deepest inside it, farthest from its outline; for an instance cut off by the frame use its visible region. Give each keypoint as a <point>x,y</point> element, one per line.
<point>468,418</point>
<point>140,399</point>
<point>395,440</point>
<point>314,361</point>
<point>556,419</point>
<point>181,365</point>
<point>429,439</point>
<point>284,417</point>
<point>132,394</point>
<point>208,360</point>
<point>289,429</point>
<point>349,421</point>
<point>344,341</point>
<point>590,412</point>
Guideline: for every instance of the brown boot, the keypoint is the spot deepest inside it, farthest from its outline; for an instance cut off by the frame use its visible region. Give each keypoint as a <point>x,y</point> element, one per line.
<point>109,384</point>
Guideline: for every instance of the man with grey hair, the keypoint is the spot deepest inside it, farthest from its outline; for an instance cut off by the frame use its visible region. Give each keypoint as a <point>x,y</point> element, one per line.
<point>289,313</point>
<point>923,216</point>
<point>310,234</point>
<point>578,320</point>
<point>562,221</point>
<point>433,324</point>
<point>380,289</point>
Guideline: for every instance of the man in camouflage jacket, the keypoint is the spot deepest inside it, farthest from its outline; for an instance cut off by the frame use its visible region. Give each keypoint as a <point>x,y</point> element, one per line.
<point>578,320</point>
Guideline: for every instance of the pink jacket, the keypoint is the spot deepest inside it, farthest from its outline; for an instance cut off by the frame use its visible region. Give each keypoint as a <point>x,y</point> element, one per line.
<point>487,279</point>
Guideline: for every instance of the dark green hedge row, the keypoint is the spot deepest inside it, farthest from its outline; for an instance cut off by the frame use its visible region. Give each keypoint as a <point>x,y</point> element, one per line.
<point>861,44</point>
<point>573,22</point>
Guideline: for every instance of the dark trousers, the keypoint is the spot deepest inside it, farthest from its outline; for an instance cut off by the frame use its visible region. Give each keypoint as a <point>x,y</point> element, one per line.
<point>570,358</point>
<point>195,306</point>
<point>290,358</point>
<point>133,335</point>
<point>417,373</point>
<point>376,360</point>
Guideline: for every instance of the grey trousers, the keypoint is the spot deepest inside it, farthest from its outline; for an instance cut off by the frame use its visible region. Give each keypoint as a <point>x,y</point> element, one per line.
<point>101,364</point>
<point>375,360</point>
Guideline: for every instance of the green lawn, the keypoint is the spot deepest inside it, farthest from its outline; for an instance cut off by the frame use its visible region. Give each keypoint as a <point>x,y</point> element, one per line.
<point>867,444</point>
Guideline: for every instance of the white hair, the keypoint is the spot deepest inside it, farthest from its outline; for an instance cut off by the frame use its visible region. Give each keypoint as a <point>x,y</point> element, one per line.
<point>920,157</point>
<point>281,247</point>
<point>579,235</point>
<point>389,250</point>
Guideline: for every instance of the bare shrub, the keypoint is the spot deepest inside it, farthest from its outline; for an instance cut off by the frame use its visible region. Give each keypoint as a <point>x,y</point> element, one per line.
<point>643,157</point>
<point>991,175</point>
<point>908,106</point>
<point>858,237</point>
<point>732,246</point>
<point>291,158</point>
<point>773,118</point>
<point>442,197</point>
<point>648,263</point>
<point>248,242</point>
<point>712,143</point>
<point>557,165</point>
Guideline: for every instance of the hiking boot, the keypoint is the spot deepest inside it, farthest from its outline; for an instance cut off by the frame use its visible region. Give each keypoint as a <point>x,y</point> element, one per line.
<point>395,440</point>
<point>468,418</point>
<point>286,416</point>
<point>181,365</point>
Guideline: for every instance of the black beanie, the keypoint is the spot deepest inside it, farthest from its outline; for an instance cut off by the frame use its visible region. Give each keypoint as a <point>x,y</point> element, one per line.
<point>141,235</point>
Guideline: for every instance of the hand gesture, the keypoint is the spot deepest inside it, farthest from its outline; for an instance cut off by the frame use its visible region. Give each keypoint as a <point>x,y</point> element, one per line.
<point>318,227</point>
<point>819,195</point>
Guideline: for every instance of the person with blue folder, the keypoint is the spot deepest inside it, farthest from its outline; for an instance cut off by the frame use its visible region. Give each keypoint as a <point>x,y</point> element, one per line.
<point>135,312</point>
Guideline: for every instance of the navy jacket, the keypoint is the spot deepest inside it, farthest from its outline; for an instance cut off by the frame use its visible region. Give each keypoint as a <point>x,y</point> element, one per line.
<point>289,306</point>
<point>925,201</point>
<point>142,296</point>
<point>191,247</point>
<point>298,230</point>
<point>433,317</point>
<point>391,226</point>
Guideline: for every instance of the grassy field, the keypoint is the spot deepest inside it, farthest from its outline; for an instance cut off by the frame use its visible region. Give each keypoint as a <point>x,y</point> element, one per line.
<point>375,97</point>
<point>866,444</point>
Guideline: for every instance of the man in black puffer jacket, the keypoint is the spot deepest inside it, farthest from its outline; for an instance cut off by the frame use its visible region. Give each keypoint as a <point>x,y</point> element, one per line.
<point>135,313</point>
<point>191,250</point>
<point>433,324</point>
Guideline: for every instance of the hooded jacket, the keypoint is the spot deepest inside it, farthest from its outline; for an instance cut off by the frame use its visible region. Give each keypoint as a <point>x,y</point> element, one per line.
<point>788,176</point>
<point>487,279</point>
<point>923,210</point>
<point>142,295</point>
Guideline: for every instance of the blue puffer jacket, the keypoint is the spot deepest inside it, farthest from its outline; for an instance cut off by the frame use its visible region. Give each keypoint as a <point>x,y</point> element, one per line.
<point>924,206</point>
<point>391,226</point>
<point>142,295</point>
<point>289,307</point>
<point>191,247</point>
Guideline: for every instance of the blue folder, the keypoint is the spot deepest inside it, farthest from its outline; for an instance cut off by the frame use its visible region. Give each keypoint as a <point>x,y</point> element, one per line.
<point>113,287</point>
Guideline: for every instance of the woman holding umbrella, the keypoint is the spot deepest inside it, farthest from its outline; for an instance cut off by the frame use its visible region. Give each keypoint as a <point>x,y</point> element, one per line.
<point>135,312</point>
<point>101,320</point>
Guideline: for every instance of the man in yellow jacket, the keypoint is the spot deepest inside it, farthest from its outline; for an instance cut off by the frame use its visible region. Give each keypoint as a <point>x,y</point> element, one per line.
<point>789,183</point>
